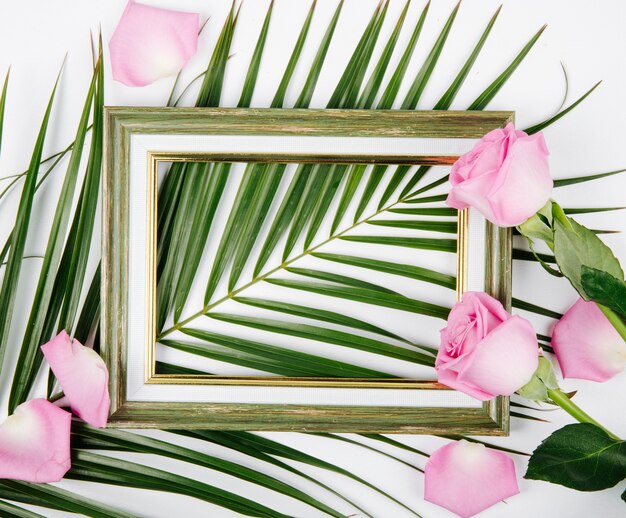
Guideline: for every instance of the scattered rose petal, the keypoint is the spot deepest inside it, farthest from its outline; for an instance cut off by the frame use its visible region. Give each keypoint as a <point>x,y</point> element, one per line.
<point>83,376</point>
<point>467,478</point>
<point>587,345</point>
<point>150,43</point>
<point>35,443</point>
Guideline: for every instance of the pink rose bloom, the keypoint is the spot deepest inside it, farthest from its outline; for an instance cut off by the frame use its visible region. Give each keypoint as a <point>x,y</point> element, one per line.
<point>150,43</point>
<point>467,478</point>
<point>505,176</point>
<point>587,345</point>
<point>83,376</point>
<point>485,351</point>
<point>35,443</point>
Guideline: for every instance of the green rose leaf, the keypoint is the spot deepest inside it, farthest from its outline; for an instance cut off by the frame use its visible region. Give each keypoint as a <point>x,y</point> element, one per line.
<point>579,456</point>
<point>543,379</point>
<point>624,495</point>
<point>575,246</point>
<point>604,288</point>
<point>539,226</point>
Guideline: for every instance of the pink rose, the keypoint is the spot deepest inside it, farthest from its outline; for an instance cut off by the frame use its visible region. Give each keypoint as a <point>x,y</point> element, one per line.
<point>485,351</point>
<point>587,345</point>
<point>505,176</point>
<point>467,478</point>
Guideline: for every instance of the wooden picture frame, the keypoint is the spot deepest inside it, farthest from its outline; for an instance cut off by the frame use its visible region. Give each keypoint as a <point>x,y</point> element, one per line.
<point>124,128</point>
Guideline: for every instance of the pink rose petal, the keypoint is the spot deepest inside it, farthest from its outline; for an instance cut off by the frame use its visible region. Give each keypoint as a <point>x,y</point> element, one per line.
<point>83,376</point>
<point>150,43</point>
<point>35,443</point>
<point>467,478</point>
<point>505,360</point>
<point>587,346</point>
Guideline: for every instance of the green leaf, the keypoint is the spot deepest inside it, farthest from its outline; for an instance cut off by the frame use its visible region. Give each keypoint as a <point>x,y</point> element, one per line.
<point>579,456</point>
<point>13,511</point>
<point>57,498</point>
<point>270,358</point>
<point>427,199</point>
<point>316,314</point>
<point>446,99</point>
<point>422,77</point>
<point>98,468</point>
<point>253,445</point>
<point>208,197</point>
<point>255,62</point>
<point>366,99</point>
<point>3,100</point>
<point>61,278</point>
<point>366,447</point>
<point>542,125</point>
<point>429,211</point>
<point>423,243</point>
<point>148,445</point>
<point>391,91</point>
<point>340,279</point>
<point>310,83</point>
<point>279,97</point>
<point>330,336</point>
<point>404,270</point>
<point>376,298</point>
<point>575,246</point>
<point>449,227</point>
<point>283,217</point>
<point>604,288</point>
<point>270,447</point>
<point>79,240</point>
<point>490,92</point>
<point>525,255</point>
<point>8,291</point>
<point>533,308</point>
<point>543,379</point>
<point>590,210</point>
<point>564,182</point>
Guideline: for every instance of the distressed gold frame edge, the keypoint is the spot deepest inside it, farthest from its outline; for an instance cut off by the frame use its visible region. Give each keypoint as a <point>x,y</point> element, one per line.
<point>491,419</point>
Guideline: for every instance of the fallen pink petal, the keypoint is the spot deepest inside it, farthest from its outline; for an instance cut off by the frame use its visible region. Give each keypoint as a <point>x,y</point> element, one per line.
<point>35,443</point>
<point>467,478</point>
<point>150,43</point>
<point>83,376</point>
<point>587,345</point>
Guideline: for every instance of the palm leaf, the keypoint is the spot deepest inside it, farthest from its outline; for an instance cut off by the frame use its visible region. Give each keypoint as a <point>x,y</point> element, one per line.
<point>8,291</point>
<point>57,498</point>
<point>147,445</point>
<point>62,272</point>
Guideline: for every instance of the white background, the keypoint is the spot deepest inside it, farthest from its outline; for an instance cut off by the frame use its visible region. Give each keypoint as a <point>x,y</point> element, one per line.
<point>587,38</point>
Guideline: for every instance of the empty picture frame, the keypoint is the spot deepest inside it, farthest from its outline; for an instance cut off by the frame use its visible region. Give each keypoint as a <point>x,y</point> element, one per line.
<point>141,142</point>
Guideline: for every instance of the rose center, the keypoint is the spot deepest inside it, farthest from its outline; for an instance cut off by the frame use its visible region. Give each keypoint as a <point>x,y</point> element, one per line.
<point>454,347</point>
